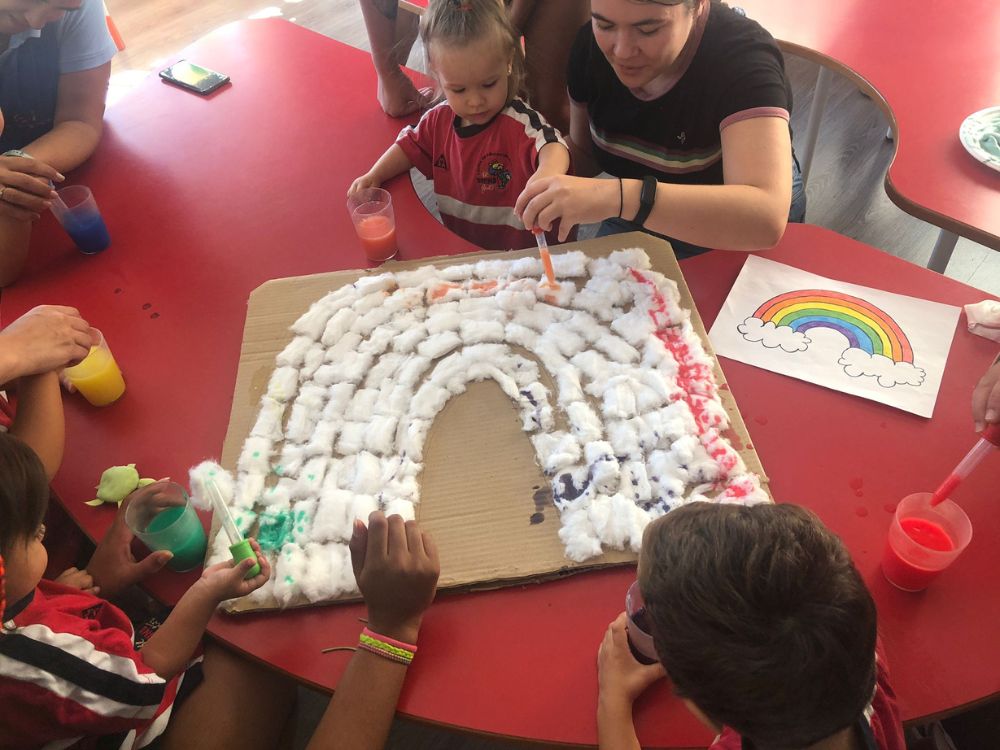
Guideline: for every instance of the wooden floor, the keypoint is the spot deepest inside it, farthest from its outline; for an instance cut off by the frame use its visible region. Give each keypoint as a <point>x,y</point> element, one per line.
<point>845,192</point>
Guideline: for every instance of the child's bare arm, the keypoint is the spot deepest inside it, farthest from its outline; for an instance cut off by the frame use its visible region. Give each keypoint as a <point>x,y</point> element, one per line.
<point>621,680</point>
<point>393,162</point>
<point>396,566</point>
<point>39,420</point>
<point>171,647</point>
<point>553,159</point>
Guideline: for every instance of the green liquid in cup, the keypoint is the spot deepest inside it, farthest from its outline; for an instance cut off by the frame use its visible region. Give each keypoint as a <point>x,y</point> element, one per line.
<point>182,534</point>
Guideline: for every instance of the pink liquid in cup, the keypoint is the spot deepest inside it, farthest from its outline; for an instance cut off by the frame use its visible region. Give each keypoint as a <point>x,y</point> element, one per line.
<point>923,541</point>
<point>378,237</point>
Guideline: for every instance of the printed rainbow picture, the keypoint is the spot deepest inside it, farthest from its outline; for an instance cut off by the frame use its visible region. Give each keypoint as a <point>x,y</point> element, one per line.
<point>876,344</point>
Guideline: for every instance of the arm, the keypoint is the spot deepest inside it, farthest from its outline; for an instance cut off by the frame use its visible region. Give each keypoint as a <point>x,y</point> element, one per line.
<point>581,145</point>
<point>986,398</point>
<point>47,337</point>
<point>396,566</point>
<point>393,162</point>
<point>391,37</point>
<point>754,199</point>
<point>621,680</point>
<point>25,194</point>
<point>79,122</point>
<point>171,647</point>
<point>79,119</point>
<point>520,13</point>
<point>39,420</point>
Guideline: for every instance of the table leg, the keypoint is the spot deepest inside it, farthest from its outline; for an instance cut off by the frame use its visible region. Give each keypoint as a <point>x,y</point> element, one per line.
<point>815,116</point>
<point>942,251</point>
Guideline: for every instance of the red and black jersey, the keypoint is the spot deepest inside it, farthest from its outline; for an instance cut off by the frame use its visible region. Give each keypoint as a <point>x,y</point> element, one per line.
<point>478,171</point>
<point>70,675</point>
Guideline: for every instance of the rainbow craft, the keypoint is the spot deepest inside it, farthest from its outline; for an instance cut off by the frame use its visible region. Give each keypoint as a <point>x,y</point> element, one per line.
<point>865,326</point>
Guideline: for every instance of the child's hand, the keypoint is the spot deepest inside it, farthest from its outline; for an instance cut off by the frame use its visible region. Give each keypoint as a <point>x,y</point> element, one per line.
<point>114,567</point>
<point>225,580</point>
<point>619,676</point>
<point>396,566</point>
<point>366,180</point>
<point>986,398</point>
<point>78,579</point>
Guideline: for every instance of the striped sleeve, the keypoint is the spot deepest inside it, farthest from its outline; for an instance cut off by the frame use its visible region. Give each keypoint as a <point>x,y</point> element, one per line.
<point>64,685</point>
<point>417,141</point>
<point>536,129</point>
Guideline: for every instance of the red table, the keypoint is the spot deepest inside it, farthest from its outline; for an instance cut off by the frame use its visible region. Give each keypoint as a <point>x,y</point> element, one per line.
<point>929,66</point>
<point>208,198</point>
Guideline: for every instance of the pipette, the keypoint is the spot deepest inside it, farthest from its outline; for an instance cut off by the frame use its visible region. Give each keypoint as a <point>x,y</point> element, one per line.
<point>989,440</point>
<point>543,252</point>
<point>239,547</point>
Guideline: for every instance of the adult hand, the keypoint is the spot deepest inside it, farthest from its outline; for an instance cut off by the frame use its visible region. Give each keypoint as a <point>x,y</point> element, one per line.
<point>986,398</point>
<point>396,566</point>
<point>398,96</point>
<point>571,200</point>
<point>24,187</point>
<point>225,580</point>
<point>78,579</point>
<point>113,566</point>
<point>45,338</point>
<point>619,676</point>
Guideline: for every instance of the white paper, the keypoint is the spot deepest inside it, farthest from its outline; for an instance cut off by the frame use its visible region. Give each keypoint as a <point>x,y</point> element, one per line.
<point>881,346</point>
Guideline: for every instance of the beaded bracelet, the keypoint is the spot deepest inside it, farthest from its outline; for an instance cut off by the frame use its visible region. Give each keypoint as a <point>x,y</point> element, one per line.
<point>387,648</point>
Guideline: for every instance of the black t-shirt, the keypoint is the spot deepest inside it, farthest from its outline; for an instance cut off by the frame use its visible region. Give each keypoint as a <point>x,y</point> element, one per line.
<point>736,69</point>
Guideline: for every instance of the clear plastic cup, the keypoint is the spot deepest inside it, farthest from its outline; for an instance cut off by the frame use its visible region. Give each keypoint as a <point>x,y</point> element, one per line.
<point>374,221</point>
<point>98,376</point>
<point>162,516</point>
<point>923,541</point>
<point>640,640</point>
<point>77,211</point>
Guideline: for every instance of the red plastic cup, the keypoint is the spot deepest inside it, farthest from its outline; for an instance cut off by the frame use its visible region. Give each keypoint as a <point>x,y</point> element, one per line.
<point>375,223</point>
<point>640,640</point>
<point>923,541</point>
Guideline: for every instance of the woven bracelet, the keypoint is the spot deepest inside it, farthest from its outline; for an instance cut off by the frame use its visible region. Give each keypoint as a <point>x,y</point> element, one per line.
<point>386,647</point>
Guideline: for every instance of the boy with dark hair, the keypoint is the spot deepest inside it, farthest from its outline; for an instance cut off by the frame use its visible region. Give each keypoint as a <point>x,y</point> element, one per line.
<point>764,626</point>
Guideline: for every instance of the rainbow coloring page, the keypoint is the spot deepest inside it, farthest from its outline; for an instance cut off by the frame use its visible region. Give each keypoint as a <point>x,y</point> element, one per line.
<point>881,346</point>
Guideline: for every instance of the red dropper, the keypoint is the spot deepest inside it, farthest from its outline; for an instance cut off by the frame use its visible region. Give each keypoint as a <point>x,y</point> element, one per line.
<point>990,439</point>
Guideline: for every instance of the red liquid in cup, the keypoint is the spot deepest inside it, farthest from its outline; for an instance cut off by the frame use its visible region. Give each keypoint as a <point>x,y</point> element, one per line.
<point>906,574</point>
<point>378,237</point>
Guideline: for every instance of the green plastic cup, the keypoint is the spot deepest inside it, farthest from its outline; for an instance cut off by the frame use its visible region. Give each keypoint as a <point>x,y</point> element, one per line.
<point>162,516</point>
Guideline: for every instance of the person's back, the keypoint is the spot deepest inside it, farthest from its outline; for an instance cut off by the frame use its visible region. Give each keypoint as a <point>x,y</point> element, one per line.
<point>766,629</point>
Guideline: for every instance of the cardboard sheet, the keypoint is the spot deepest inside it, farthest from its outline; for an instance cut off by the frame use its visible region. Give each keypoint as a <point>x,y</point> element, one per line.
<point>484,498</point>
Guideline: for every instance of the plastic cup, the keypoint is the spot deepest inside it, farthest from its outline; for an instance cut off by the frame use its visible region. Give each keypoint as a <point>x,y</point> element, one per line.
<point>923,541</point>
<point>97,377</point>
<point>640,640</point>
<point>77,211</point>
<point>375,223</point>
<point>162,516</point>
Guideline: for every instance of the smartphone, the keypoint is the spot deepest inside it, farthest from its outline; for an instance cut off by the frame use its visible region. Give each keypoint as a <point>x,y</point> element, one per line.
<point>193,77</point>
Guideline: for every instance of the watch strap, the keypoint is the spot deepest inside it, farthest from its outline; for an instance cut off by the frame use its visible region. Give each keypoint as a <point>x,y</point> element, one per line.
<point>646,198</point>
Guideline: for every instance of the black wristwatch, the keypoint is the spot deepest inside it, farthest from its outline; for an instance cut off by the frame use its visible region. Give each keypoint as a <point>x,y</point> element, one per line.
<point>646,198</point>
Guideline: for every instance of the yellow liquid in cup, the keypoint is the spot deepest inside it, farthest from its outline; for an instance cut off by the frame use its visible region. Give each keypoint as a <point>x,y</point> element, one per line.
<point>97,377</point>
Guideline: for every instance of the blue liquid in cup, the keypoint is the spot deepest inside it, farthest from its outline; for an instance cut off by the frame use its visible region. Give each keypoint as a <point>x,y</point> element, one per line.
<point>88,231</point>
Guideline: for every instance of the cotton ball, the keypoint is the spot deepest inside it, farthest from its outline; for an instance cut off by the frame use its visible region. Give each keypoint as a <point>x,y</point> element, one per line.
<point>219,550</point>
<point>399,507</point>
<point>288,574</point>
<point>248,489</point>
<point>319,583</point>
<point>310,479</point>
<point>367,474</point>
<point>283,384</point>
<point>256,456</point>
<point>278,495</point>
<point>294,354</point>
<point>578,536</point>
<point>333,521</point>
<point>210,471</point>
<point>303,513</point>
<point>584,422</point>
<point>381,435</point>
<point>268,424</point>
<point>263,597</point>
<point>604,470</point>
<point>290,461</point>
<point>362,506</point>
<point>555,450</point>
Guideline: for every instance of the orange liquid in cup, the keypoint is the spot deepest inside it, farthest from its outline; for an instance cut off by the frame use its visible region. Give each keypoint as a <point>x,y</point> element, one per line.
<point>97,377</point>
<point>378,237</point>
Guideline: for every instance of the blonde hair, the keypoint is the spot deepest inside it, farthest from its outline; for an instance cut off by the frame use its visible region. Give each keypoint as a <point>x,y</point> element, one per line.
<point>457,23</point>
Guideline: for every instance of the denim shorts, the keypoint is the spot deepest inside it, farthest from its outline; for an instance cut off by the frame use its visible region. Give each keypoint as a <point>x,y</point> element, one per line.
<point>796,215</point>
